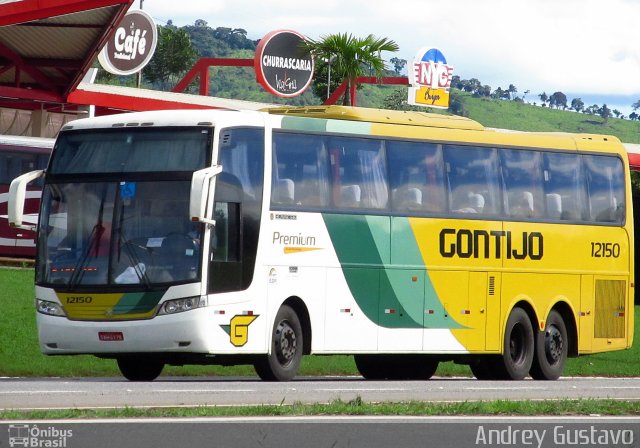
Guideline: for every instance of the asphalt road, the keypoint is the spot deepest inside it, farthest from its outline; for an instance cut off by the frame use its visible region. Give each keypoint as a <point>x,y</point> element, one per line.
<point>30,393</point>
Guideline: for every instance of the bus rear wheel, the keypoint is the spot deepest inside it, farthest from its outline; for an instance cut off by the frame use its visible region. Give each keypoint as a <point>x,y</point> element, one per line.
<point>140,368</point>
<point>518,349</point>
<point>552,347</point>
<point>283,362</point>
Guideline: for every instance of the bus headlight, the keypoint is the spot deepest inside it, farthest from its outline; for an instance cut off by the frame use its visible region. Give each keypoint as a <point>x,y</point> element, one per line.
<point>49,308</point>
<point>182,305</point>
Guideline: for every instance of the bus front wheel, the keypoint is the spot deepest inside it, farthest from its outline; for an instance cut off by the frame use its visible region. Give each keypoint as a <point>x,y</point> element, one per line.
<point>552,349</point>
<point>140,368</point>
<point>283,362</point>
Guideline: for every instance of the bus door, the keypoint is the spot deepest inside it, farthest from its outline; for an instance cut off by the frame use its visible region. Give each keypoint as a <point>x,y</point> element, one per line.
<point>237,209</point>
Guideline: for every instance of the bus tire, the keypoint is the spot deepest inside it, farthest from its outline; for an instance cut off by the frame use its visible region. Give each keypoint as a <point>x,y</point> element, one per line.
<point>483,370</point>
<point>424,368</point>
<point>395,367</point>
<point>140,368</point>
<point>371,367</point>
<point>552,348</point>
<point>518,348</point>
<point>283,362</point>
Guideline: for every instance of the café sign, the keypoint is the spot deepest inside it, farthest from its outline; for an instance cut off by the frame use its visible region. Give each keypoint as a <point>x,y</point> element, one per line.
<point>430,79</point>
<point>283,67</point>
<point>131,46</point>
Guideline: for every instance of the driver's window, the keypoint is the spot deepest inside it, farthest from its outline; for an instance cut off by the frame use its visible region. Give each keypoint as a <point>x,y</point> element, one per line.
<point>225,239</point>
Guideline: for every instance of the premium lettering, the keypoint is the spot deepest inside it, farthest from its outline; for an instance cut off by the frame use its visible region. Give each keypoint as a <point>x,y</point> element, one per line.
<point>298,240</point>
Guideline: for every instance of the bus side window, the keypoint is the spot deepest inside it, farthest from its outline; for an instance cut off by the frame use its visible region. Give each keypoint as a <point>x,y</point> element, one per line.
<point>605,177</point>
<point>359,173</point>
<point>522,176</point>
<point>416,177</point>
<point>472,174</point>
<point>565,184</point>
<point>300,174</point>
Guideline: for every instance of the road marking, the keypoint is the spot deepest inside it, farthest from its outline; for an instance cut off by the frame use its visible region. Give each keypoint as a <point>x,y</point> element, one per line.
<point>40,392</point>
<point>199,391</point>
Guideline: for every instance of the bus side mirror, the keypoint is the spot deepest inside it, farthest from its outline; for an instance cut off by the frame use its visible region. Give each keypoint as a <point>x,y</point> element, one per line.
<point>202,192</point>
<point>17,196</point>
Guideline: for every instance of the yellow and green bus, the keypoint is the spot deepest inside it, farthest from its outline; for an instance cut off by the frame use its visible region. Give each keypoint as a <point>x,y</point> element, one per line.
<point>404,239</point>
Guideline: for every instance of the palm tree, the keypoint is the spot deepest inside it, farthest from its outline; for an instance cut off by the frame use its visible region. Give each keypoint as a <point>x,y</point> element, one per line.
<point>351,57</point>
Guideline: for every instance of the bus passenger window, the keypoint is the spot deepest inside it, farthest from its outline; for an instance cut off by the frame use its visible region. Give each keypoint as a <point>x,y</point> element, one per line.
<point>473,179</point>
<point>360,173</point>
<point>564,185</point>
<point>522,175</point>
<point>416,177</point>
<point>300,171</point>
<point>605,177</point>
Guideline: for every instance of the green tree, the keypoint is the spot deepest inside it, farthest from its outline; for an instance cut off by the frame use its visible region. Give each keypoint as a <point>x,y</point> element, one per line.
<point>173,57</point>
<point>398,64</point>
<point>483,91</point>
<point>473,86</point>
<point>351,56</point>
<point>592,110</point>
<point>558,99</point>
<point>577,104</point>
<point>605,113</point>
<point>544,98</point>
<point>636,105</point>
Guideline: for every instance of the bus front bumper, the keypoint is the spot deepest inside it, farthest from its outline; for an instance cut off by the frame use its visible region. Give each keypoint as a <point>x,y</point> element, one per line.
<point>193,331</point>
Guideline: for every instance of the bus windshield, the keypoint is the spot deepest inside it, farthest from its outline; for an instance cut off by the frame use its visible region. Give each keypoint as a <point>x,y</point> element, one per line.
<point>125,220</point>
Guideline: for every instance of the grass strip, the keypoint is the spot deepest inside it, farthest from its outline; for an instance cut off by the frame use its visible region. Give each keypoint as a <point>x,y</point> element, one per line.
<point>584,407</point>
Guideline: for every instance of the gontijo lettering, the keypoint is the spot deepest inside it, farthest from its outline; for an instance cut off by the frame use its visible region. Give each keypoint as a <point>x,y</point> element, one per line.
<point>466,243</point>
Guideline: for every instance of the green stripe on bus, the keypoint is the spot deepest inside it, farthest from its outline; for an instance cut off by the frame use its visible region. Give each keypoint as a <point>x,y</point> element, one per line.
<point>304,124</point>
<point>318,125</point>
<point>385,292</point>
<point>140,302</point>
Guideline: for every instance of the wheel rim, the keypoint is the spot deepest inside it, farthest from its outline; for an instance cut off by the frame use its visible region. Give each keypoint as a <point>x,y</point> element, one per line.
<point>286,343</point>
<point>517,344</point>
<point>553,344</point>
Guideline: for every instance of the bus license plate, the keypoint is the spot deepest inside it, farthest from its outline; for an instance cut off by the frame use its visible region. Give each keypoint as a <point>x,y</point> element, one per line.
<point>111,336</point>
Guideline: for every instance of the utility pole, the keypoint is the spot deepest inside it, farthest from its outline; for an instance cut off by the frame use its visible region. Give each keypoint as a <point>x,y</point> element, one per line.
<point>139,74</point>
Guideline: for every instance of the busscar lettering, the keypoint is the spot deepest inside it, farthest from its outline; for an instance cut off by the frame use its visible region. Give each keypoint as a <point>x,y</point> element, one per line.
<point>465,243</point>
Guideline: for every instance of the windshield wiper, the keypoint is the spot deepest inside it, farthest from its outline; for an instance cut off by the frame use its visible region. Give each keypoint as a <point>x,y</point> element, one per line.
<point>92,247</point>
<point>135,265</point>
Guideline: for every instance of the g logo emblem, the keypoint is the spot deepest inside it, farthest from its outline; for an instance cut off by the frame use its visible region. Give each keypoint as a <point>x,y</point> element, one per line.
<point>238,329</point>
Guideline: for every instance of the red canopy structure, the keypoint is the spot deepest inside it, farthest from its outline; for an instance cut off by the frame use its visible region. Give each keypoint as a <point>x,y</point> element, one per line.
<point>47,46</point>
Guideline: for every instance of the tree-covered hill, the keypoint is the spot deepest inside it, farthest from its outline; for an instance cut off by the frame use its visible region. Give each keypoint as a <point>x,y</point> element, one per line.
<point>497,111</point>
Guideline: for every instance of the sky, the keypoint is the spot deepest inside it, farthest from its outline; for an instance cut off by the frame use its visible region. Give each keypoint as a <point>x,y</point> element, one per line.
<point>584,48</point>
